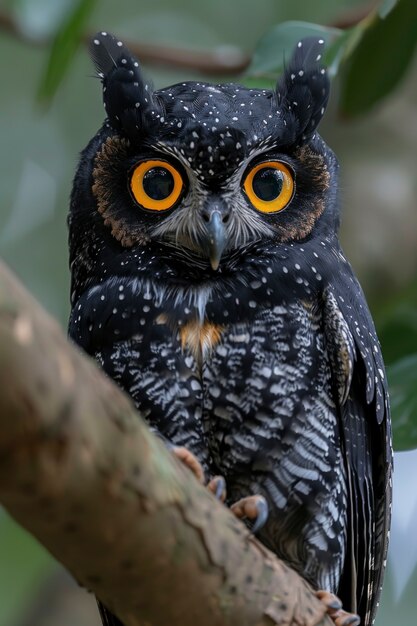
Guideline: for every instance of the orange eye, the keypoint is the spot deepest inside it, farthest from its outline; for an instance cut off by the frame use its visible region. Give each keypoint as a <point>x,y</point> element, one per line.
<point>269,186</point>
<point>156,185</point>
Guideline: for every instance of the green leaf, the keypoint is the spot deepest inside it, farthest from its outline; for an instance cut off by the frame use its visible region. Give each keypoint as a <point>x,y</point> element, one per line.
<point>398,335</point>
<point>277,45</point>
<point>63,49</point>
<point>337,50</point>
<point>402,378</point>
<point>396,321</point>
<point>386,7</point>
<point>379,60</point>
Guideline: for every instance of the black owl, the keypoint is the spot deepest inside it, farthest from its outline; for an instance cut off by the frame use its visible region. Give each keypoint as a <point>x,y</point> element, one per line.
<point>208,281</point>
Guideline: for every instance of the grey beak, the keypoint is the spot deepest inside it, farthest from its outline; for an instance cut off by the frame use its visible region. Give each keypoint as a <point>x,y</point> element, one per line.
<point>216,238</point>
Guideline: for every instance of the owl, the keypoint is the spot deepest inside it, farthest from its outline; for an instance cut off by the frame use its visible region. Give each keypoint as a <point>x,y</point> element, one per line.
<point>208,282</point>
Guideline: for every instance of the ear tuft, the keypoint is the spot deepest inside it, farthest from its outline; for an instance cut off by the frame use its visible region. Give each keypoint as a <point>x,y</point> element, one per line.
<point>303,89</point>
<point>127,96</point>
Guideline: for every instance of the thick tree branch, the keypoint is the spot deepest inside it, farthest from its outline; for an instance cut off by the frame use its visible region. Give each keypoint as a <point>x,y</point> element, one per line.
<point>80,470</point>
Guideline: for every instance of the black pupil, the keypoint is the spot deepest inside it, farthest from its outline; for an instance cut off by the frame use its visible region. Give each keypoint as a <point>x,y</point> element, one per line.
<point>158,183</point>
<point>267,183</point>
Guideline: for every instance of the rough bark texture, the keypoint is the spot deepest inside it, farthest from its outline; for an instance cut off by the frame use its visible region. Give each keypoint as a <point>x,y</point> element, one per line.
<point>80,470</point>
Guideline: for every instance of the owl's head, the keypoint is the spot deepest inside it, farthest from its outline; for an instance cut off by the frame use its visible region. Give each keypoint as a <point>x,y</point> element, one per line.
<point>205,169</point>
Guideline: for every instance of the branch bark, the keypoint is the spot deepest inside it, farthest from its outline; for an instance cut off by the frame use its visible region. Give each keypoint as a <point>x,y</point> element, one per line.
<point>80,470</point>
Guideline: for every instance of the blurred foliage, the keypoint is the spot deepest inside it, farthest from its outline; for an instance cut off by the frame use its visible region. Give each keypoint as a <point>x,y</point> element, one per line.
<point>384,48</point>
<point>357,53</point>
<point>371,56</point>
<point>65,43</point>
<point>397,329</point>
<point>277,44</point>
<point>28,567</point>
<point>397,324</point>
<point>369,52</point>
<point>402,377</point>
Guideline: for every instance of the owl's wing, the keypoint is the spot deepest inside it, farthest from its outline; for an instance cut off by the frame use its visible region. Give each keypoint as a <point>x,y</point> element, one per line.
<point>361,389</point>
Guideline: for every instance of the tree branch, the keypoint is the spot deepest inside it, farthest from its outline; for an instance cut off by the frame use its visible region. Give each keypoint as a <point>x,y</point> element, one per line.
<point>80,470</point>
<point>220,61</point>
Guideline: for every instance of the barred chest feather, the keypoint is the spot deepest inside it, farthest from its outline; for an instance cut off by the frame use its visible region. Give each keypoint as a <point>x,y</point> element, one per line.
<point>254,401</point>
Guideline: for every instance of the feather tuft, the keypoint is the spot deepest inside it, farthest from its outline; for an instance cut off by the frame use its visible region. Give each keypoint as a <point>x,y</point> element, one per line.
<point>127,97</point>
<point>303,89</point>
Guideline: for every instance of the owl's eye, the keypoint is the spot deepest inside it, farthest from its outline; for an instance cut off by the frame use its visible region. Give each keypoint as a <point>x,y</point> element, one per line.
<point>156,185</point>
<point>269,186</point>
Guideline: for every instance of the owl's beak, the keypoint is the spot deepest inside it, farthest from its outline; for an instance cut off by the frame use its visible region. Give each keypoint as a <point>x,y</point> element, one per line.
<point>216,237</point>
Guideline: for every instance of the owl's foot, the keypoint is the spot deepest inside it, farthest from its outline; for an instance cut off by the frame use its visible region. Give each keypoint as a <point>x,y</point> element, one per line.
<point>189,460</point>
<point>217,486</point>
<point>335,611</point>
<point>253,508</point>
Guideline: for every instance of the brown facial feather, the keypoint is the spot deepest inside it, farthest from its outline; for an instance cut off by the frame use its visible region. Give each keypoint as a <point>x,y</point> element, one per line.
<point>317,166</point>
<point>298,222</point>
<point>113,199</point>
<point>108,174</point>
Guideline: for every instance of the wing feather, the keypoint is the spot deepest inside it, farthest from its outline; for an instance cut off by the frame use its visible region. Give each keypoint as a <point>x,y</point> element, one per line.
<point>361,389</point>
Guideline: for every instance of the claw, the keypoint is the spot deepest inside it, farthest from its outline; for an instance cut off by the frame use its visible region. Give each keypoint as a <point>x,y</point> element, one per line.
<point>253,508</point>
<point>331,601</point>
<point>346,619</point>
<point>217,486</point>
<point>189,460</point>
<point>263,512</point>
<point>335,611</point>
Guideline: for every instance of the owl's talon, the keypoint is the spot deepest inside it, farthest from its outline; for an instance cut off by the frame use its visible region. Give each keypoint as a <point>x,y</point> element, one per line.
<point>335,611</point>
<point>189,460</point>
<point>330,600</point>
<point>342,618</point>
<point>217,486</point>
<point>253,508</point>
<point>263,512</point>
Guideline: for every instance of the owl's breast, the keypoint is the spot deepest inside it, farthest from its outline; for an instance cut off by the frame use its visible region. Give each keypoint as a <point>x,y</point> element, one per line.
<point>245,385</point>
<point>265,379</point>
<point>272,427</point>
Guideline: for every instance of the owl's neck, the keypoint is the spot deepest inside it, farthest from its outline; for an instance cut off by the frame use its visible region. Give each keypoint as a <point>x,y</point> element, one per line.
<point>153,287</point>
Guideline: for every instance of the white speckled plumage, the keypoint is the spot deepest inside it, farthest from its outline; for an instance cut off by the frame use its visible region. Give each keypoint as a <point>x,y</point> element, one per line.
<point>266,364</point>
